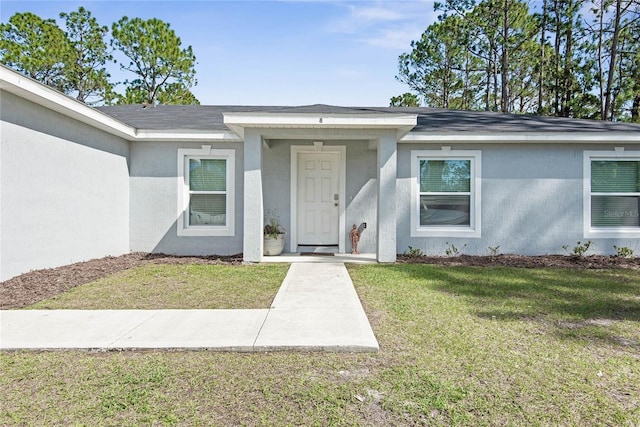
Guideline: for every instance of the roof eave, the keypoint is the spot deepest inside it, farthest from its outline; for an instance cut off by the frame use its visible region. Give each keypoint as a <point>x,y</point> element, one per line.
<point>34,91</point>
<point>185,135</point>
<point>31,90</point>
<point>523,137</point>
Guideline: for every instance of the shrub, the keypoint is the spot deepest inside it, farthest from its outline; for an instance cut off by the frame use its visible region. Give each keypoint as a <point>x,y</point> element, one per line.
<point>413,252</point>
<point>624,252</point>
<point>580,249</point>
<point>452,250</point>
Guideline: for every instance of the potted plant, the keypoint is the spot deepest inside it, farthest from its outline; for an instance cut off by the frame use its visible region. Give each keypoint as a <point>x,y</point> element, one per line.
<point>273,237</point>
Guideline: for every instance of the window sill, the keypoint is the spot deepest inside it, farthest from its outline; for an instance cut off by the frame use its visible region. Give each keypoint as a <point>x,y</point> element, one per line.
<point>206,232</point>
<point>624,233</point>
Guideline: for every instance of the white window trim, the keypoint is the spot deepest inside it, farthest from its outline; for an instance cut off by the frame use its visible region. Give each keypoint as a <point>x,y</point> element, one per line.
<point>474,229</point>
<point>183,192</point>
<point>609,232</point>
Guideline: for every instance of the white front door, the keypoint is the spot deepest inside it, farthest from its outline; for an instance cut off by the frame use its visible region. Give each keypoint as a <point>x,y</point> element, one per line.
<point>318,198</point>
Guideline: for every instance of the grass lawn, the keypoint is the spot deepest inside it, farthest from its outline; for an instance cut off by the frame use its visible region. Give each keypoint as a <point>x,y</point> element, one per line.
<point>165,286</point>
<point>459,346</point>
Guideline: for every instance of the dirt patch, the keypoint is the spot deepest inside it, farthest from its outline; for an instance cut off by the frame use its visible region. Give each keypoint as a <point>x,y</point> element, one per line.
<point>39,285</point>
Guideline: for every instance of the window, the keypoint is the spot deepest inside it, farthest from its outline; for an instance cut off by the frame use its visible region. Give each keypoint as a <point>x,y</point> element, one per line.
<point>445,193</point>
<point>206,192</point>
<point>612,194</point>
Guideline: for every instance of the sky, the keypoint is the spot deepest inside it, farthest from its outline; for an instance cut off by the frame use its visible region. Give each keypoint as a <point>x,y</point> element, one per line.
<point>275,52</point>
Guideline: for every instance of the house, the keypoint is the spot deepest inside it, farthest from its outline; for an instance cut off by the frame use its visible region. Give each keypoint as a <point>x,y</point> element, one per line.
<point>80,182</point>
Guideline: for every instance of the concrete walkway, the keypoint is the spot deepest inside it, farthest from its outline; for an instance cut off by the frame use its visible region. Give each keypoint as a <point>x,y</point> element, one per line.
<point>316,308</point>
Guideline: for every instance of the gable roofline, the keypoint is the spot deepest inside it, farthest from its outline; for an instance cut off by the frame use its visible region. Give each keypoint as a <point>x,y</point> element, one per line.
<point>32,90</point>
<point>38,93</point>
<point>238,121</point>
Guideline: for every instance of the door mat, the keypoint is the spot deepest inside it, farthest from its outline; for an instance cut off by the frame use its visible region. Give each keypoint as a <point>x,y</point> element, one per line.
<point>317,253</point>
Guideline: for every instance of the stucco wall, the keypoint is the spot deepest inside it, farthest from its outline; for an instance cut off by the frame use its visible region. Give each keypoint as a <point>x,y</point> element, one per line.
<point>362,194</point>
<point>64,190</point>
<point>154,202</point>
<point>276,184</point>
<point>532,201</point>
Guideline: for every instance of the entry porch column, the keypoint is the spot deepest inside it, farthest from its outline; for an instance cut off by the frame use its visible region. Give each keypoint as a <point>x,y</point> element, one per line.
<point>387,175</point>
<point>252,240</point>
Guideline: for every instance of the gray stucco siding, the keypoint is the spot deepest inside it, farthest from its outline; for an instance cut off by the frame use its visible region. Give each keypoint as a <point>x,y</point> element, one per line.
<point>276,184</point>
<point>531,201</point>
<point>362,194</point>
<point>64,190</point>
<point>154,201</point>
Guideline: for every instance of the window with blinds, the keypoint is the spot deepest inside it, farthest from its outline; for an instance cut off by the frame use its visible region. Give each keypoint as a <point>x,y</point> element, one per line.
<point>445,192</point>
<point>615,193</point>
<point>207,191</point>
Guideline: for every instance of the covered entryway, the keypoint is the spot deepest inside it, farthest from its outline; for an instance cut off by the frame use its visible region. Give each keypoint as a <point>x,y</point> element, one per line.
<point>318,212</point>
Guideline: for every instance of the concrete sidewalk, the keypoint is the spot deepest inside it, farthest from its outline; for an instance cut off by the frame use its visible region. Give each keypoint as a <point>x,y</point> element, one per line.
<point>316,308</point>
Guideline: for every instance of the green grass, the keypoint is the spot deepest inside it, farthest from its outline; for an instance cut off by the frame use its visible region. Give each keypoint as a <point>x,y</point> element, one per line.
<point>459,346</point>
<point>167,286</point>
<point>523,346</point>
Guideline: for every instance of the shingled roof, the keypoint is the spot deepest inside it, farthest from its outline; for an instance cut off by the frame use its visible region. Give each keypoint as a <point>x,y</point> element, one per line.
<point>211,118</point>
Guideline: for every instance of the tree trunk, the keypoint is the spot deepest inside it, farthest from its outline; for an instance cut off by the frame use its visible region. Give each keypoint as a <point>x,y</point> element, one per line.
<point>487,97</point>
<point>466,98</point>
<point>543,27</point>
<point>608,105</point>
<point>568,66</point>
<point>600,60</point>
<point>556,89</point>
<point>495,85</point>
<point>619,85</point>
<point>446,80</point>
<point>505,58</point>
<point>494,62</point>
<point>635,109</point>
